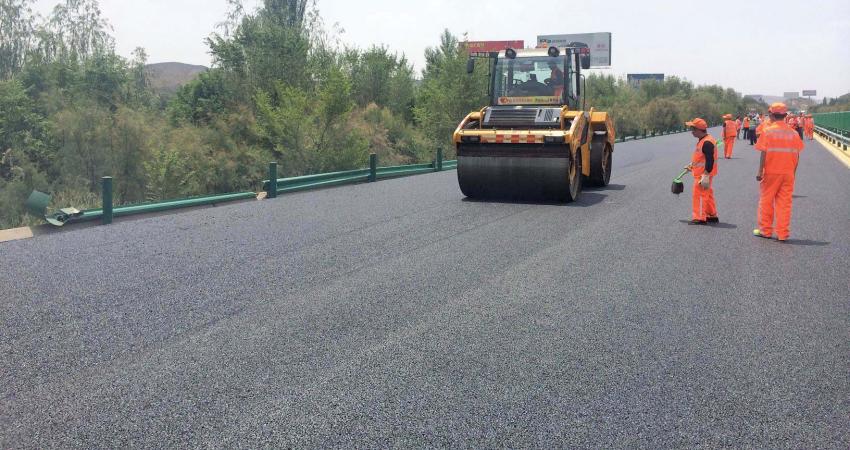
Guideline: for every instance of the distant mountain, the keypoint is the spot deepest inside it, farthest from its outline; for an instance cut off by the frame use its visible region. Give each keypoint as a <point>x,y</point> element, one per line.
<point>767,98</point>
<point>167,77</point>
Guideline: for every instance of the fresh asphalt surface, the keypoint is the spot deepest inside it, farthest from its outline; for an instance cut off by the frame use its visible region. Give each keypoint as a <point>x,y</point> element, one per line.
<point>399,314</point>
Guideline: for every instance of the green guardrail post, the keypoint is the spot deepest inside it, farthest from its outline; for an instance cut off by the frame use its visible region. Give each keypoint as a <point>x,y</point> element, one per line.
<point>373,168</point>
<point>438,164</point>
<point>106,218</point>
<point>272,187</point>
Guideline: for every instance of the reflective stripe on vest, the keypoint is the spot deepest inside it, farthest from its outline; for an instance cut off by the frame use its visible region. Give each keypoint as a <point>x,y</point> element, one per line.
<point>783,150</point>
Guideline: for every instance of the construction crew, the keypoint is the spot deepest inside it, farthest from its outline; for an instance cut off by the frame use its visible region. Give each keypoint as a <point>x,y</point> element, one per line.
<point>704,168</point>
<point>730,133</point>
<point>780,148</point>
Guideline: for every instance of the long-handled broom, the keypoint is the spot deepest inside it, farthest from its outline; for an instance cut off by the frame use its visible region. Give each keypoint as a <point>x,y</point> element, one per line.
<point>679,187</point>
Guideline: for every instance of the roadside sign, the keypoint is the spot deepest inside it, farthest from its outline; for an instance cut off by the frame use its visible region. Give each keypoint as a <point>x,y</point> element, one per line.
<point>475,47</point>
<point>810,93</point>
<point>598,43</point>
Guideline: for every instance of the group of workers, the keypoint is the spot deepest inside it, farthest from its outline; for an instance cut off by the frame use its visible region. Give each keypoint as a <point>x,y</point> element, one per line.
<point>803,124</point>
<point>779,138</point>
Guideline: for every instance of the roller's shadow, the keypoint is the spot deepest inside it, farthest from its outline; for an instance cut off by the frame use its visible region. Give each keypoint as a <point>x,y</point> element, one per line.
<point>584,200</point>
<point>589,196</point>
<point>610,187</point>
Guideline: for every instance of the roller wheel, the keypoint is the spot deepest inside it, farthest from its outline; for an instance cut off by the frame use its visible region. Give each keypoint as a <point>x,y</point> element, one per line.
<point>574,180</point>
<point>601,157</point>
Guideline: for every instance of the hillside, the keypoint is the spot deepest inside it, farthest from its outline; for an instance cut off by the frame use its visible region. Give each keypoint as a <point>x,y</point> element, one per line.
<point>167,77</point>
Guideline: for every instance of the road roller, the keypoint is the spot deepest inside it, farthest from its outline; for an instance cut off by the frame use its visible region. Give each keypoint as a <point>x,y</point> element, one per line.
<point>536,140</point>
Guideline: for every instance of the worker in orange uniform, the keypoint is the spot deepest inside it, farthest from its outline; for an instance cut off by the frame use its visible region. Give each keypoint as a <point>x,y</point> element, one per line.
<point>703,166</point>
<point>730,133</point>
<point>810,127</point>
<point>765,121</point>
<point>746,127</point>
<point>791,120</point>
<point>780,148</point>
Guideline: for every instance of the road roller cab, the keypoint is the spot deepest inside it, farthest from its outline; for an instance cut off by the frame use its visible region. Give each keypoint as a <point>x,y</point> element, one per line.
<point>536,140</point>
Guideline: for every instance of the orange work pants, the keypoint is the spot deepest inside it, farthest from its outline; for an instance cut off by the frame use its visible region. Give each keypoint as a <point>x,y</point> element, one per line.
<point>777,191</point>
<point>704,205</point>
<point>728,145</point>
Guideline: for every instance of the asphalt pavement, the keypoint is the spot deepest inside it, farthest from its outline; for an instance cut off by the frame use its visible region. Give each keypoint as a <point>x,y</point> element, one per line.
<point>399,314</point>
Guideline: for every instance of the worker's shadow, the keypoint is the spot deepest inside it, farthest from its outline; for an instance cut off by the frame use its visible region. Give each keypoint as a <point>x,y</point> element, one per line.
<point>807,242</point>
<point>721,225</point>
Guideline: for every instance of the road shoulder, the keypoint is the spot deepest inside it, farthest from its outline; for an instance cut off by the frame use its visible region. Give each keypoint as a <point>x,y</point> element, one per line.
<point>839,154</point>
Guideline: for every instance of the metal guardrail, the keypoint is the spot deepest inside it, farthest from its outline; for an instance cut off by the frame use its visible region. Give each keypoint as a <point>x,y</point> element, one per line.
<point>836,122</point>
<point>272,187</point>
<point>838,139</point>
<point>651,133</point>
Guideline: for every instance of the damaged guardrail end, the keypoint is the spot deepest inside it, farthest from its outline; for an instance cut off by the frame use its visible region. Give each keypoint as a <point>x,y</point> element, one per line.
<point>37,205</point>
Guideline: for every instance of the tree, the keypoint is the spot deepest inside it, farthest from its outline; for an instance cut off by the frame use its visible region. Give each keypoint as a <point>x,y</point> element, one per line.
<point>17,33</point>
<point>447,93</point>
<point>77,31</point>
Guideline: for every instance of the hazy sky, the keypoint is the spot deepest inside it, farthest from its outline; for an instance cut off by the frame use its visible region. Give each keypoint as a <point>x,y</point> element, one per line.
<point>765,47</point>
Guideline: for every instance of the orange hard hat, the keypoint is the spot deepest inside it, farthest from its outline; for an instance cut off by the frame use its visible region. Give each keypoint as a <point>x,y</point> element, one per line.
<point>727,116</point>
<point>697,123</point>
<point>778,108</point>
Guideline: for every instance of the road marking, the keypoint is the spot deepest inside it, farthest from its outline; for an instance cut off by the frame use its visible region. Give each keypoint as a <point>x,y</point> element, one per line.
<point>840,154</point>
<point>14,234</point>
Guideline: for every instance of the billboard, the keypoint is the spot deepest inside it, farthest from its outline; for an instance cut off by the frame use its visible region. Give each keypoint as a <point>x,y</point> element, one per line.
<point>790,95</point>
<point>635,79</point>
<point>810,93</point>
<point>599,44</point>
<point>474,47</point>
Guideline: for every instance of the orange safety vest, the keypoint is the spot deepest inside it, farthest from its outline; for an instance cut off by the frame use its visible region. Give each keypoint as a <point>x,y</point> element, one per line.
<point>698,159</point>
<point>746,122</point>
<point>731,129</point>
<point>760,129</point>
<point>782,146</point>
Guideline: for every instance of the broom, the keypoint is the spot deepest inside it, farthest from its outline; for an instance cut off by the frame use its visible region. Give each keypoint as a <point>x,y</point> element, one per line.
<point>679,187</point>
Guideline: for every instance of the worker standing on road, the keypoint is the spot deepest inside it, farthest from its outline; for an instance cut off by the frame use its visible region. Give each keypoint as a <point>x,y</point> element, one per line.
<point>780,148</point>
<point>765,121</point>
<point>810,126</point>
<point>746,126</point>
<point>754,123</point>
<point>738,123</point>
<point>791,120</point>
<point>703,166</point>
<point>730,133</point>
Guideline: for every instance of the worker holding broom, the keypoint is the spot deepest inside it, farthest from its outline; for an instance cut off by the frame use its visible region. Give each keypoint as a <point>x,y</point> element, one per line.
<point>730,133</point>
<point>703,166</point>
<point>780,146</point>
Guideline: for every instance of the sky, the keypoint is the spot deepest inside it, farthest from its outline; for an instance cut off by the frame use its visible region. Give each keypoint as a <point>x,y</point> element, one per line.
<point>755,47</point>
